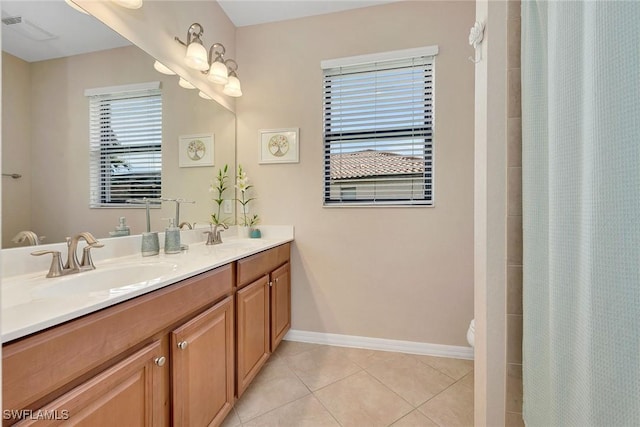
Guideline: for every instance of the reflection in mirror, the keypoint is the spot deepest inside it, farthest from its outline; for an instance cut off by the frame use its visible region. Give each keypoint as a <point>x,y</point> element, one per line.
<point>46,133</point>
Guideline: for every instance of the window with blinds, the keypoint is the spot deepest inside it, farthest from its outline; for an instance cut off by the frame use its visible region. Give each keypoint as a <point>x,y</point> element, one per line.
<point>125,144</point>
<point>378,129</point>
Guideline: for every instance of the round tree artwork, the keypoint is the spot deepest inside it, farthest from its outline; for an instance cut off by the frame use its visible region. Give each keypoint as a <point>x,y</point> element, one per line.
<point>196,150</point>
<point>278,145</point>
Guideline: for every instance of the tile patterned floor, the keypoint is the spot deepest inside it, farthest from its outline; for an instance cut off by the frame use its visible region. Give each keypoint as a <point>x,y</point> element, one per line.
<point>309,385</point>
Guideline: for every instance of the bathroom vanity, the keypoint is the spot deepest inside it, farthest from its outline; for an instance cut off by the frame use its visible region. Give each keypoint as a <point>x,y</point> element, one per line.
<point>179,354</point>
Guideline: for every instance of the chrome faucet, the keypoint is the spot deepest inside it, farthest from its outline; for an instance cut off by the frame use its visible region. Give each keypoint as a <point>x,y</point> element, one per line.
<point>29,236</point>
<point>185,223</point>
<point>72,265</point>
<point>72,249</point>
<point>213,236</point>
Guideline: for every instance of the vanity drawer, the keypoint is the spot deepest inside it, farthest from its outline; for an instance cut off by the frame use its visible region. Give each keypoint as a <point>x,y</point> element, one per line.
<point>50,362</point>
<point>254,266</point>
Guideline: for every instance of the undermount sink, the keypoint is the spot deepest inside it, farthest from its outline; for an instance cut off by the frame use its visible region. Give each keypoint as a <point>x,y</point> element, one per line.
<point>112,280</point>
<point>240,244</point>
<point>120,278</point>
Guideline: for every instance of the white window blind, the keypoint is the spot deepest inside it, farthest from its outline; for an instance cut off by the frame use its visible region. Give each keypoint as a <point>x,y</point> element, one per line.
<point>378,130</point>
<point>125,144</point>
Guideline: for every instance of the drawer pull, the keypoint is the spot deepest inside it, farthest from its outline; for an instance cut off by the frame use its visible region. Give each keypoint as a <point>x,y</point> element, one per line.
<point>160,361</point>
<point>182,345</point>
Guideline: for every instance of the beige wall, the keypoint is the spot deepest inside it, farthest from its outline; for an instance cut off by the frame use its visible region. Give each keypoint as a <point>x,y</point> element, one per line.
<point>395,273</point>
<point>16,128</point>
<point>59,122</point>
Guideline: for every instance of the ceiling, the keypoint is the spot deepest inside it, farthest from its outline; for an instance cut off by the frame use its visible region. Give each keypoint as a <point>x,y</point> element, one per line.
<point>250,12</point>
<point>51,29</point>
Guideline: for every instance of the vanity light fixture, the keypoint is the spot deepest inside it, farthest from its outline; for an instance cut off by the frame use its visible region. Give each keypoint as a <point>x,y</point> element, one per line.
<point>218,72</point>
<point>129,4</point>
<point>161,68</point>
<point>217,69</point>
<point>196,56</point>
<point>232,88</point>
<point>185,84</point>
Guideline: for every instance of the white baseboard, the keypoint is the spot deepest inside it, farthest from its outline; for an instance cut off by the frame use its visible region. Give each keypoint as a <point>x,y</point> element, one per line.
<point>412,347</point>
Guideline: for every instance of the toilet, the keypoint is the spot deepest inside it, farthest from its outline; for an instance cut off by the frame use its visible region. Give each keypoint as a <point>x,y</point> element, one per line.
<point>471,332</point>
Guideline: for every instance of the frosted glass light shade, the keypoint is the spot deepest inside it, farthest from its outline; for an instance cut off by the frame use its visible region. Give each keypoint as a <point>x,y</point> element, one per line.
<point>232,88</point>
<point>129,4</point>
<point>218,73</point>
<point>196,57</point>
<point>185,84</point>
<point>161,68</point>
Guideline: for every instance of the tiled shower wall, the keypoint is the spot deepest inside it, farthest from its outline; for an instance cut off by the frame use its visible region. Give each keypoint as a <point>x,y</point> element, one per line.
<point>514,221</point>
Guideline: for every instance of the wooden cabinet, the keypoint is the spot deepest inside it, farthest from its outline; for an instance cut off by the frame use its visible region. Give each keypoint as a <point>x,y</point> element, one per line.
<point>177,356</point>
<point>280,304</point>
<point>202,367</point>
<point>252,304</point>
<point>104,364</point>
<point>129,393</point>
<point>263,305</point>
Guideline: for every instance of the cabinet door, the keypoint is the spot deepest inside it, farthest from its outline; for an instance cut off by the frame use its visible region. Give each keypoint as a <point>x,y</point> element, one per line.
<point>129,393</point>
<point>280,304</point>
<point>202,367</point>
<point>252,304</point>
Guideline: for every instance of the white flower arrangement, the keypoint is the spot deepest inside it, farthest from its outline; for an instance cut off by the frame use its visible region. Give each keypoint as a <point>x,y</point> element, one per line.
<point>243,186</point>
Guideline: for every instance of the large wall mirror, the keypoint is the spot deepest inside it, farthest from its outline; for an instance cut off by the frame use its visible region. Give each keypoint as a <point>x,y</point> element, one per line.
<point>45,125</point>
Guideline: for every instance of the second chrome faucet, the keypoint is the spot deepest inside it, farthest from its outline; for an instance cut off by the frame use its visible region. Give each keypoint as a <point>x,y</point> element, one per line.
<point>213,236</point>
<point>72,265</point>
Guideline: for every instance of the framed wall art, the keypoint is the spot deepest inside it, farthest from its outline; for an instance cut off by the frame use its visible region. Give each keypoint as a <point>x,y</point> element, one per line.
<point>195,150</point>
<point>279,145</point>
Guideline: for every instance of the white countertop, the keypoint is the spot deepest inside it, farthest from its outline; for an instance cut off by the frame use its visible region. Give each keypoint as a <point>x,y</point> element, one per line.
<point>31,302</point>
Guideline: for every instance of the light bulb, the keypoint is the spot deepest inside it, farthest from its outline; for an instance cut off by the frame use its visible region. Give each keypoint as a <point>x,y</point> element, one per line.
<point>232,88</point>
<point>218,73</point>
<point>129,4</point>
<point>185,84</point>
<point>196,57</point>
<point>161,68</point>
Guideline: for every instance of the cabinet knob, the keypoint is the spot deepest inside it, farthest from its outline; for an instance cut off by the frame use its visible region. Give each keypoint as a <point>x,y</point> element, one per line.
<point>160,361</point>
<point>277,280</point>
<point>182,345</point>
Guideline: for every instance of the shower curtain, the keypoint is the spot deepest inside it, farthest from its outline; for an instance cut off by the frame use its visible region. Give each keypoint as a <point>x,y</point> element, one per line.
<point>581,212</point>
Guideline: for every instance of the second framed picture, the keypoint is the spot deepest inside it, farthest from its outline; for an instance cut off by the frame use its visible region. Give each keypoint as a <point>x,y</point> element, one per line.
<point>279,145</point>
<point>195,150</point>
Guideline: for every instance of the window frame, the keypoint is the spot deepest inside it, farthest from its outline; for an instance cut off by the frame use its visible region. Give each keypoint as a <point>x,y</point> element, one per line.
<point>99,181</point>
<point>374,63</point>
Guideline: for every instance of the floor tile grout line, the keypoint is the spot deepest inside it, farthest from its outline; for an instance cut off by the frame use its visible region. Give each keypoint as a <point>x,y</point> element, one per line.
<point>336,381</point>
<point>283,405</point>
<point>442,391</point>
<point>286,403</point>
<point>414,406</point>
<point>333,382</point>
<point>326,409</point>
<point>392,391</point>
<point>415,356</point>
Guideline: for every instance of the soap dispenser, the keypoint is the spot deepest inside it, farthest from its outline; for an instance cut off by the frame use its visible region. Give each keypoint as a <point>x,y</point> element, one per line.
<point>172,238</point>
<point>150,241</point>
<point>122,229</point>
